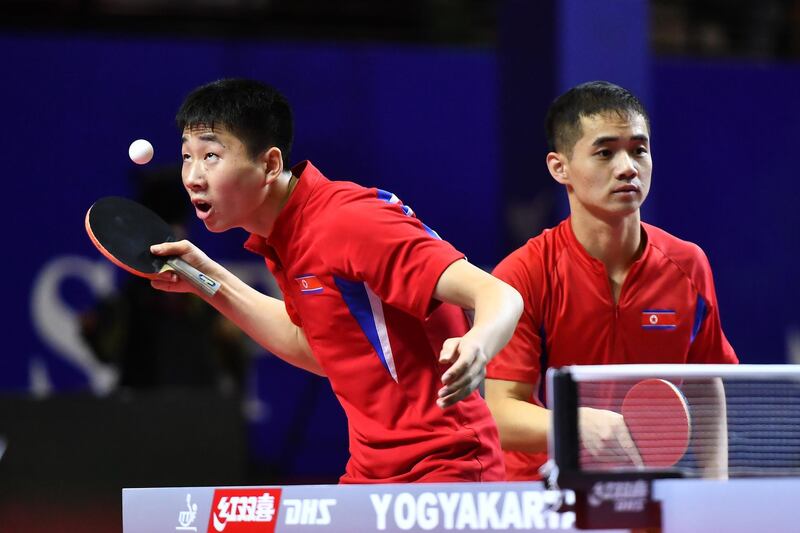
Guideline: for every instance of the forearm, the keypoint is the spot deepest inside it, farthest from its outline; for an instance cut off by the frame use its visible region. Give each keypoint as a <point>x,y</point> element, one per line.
<point>261,317</point>
<point>523,426</point>
<point>498,307</point>
<point>264,319</point>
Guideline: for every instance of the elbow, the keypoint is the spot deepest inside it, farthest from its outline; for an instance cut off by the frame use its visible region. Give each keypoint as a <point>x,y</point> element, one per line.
<point>310,363</point>
<point>514,299</point>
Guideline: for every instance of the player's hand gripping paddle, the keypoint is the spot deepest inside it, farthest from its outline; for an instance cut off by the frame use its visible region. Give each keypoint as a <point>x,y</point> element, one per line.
<point>124,230</point>
<point>658,420</point>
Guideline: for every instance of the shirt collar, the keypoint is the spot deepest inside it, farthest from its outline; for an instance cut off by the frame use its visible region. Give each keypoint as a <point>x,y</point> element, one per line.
<point>594,263</point>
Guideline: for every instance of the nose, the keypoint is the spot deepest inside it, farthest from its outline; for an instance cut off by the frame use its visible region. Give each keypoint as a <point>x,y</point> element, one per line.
<point>625,168</point>
<point>193,177</point>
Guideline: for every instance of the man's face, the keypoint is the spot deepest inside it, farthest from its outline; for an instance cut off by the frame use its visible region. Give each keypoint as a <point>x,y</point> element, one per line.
<point>225,186</point>
<point>609,171</point>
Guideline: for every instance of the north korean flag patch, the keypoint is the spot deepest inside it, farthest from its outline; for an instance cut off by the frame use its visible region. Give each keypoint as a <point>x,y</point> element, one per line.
<point>309,284</point>
<point>659,319</point>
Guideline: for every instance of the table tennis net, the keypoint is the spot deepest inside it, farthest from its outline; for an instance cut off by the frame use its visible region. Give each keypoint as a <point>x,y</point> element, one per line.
<point>740,426</point>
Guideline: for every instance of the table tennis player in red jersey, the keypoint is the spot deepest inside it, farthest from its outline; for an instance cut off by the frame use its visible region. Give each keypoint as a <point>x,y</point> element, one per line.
<point>602,287</point>
<point>373,298</point>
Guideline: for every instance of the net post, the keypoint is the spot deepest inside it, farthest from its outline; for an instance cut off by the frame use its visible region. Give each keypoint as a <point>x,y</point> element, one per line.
<point>563,399</point>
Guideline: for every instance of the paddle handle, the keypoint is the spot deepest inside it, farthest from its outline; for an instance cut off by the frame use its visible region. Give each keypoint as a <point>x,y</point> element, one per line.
<point>206,284</point>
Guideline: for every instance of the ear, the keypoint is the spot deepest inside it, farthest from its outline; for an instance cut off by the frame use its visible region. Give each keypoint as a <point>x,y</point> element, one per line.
<point>272,163</point>
<point>558,165</point>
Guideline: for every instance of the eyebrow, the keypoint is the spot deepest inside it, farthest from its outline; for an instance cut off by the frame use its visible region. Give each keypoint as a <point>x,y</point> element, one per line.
<point>208,137</point>
<point>610,138</point>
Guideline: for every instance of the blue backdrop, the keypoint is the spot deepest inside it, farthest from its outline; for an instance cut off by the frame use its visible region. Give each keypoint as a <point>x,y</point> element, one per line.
<point>419,121</point>
<point>725,177</point>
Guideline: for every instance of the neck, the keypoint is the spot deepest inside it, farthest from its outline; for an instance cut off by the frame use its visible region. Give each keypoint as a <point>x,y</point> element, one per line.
<point>275,197</point>
<point>616,242</point>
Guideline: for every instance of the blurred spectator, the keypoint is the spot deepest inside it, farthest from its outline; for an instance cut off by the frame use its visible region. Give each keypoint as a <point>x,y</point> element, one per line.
<point>158,339</point>
<point>752,28</point>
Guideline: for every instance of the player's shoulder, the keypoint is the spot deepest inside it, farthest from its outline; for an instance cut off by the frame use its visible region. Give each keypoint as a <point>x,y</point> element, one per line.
<point>365,209</point>
<point>337,193</point>
<point>369,216</point>
<point>686,255</point>
<point>338,204</point>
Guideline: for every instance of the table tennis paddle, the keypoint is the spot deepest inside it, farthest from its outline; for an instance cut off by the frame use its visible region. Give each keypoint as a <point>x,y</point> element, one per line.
<point>657,416</point>
<point>124,230</point>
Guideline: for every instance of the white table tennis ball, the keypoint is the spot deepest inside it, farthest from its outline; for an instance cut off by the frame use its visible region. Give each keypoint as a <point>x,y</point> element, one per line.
<point>140,151</point>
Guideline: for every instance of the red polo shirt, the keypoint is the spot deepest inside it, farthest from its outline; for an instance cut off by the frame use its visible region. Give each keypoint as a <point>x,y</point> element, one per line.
<point>358,270</point>
<point>667,313</point>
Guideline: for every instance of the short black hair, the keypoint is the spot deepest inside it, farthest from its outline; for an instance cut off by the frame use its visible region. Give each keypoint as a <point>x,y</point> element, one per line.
<point>563,122</point>
<point>253,111</point>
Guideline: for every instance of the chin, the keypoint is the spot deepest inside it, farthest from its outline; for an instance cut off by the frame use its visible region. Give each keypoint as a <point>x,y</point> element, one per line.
<point>630,206</point>
<point>628,210</point>
<point>215,228</point>
<point>617,212</point>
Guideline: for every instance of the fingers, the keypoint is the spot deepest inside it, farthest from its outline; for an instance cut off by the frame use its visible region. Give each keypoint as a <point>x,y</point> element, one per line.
<point>468,367</point>
<point>450,395</point>
<point>449,351</point>
<point>461,359</point>
<point>465,374</point>
<point>606,438</point>
<point>629,446</point>
<point>172,248</point>
<point>167,281</point>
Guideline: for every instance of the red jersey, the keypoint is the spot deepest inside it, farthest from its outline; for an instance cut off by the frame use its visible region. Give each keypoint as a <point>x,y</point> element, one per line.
<point>358,271</point>
<point>667,313</point>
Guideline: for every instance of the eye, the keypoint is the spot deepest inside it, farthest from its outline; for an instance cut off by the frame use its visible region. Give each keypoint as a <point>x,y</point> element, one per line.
<point>641,150</point>
<point>604,153</point>
<point>186,157</point>
<point>211,155</point>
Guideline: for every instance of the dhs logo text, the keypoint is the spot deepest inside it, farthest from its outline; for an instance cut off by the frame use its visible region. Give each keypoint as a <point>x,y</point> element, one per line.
<point>308,511</point>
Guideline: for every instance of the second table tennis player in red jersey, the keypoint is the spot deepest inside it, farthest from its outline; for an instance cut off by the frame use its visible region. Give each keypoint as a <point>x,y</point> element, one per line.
<point>602,287</point>
<point>372,297</point>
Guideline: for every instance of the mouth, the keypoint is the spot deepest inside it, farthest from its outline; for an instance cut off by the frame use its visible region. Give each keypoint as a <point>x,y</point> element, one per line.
<point>626,189</point>
<point>202,209</point>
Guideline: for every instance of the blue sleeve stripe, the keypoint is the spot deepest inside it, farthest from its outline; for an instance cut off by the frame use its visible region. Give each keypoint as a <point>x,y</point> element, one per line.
<point>388,197</point>
<point>699,316</point>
